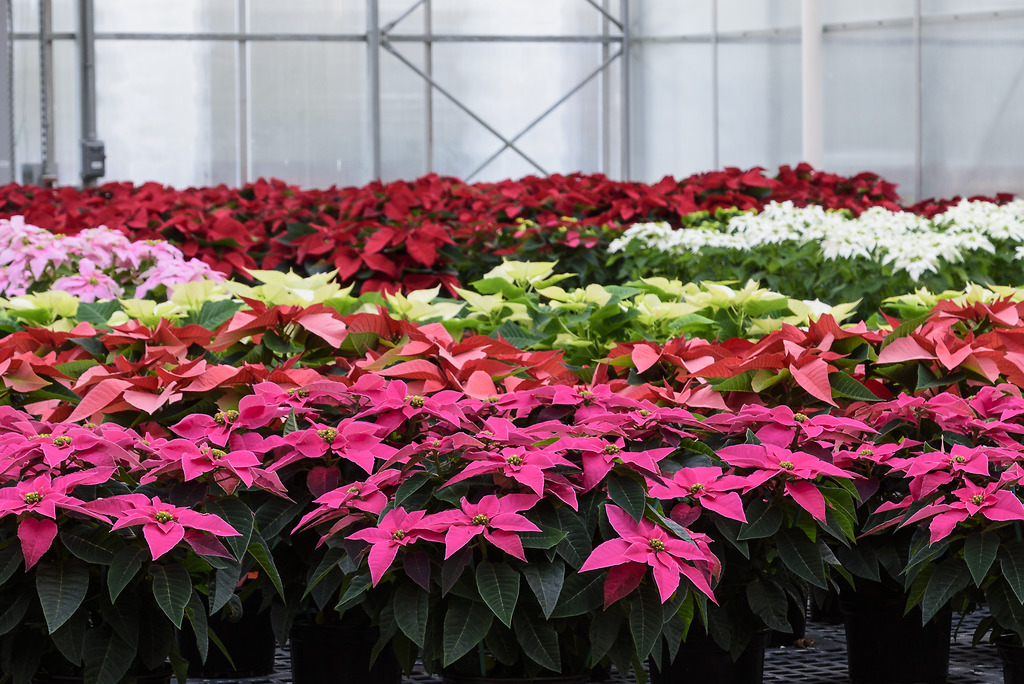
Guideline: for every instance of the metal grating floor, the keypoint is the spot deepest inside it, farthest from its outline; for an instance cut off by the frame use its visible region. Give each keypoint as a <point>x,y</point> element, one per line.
<point>822,661</point>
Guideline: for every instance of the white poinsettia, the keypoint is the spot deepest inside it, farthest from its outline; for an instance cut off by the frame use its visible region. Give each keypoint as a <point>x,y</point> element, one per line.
<point>419,305</point>
<point>290,289</point>
<point>147,312</point>
<point>904,241</point>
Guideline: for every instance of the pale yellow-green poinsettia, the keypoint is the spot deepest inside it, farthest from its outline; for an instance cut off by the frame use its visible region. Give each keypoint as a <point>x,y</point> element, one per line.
<point>191,296</point>
<point>576,299</point>
<point>526,274</point>
<point>419,305</point>
<point>653,310</point>
<point>147,312</point>
<point>43,308</point>
<point>290,289</point>
<point>489,306</point>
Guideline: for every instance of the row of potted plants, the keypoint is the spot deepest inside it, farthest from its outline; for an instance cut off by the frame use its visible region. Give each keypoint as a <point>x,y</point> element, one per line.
<point>430,231</point>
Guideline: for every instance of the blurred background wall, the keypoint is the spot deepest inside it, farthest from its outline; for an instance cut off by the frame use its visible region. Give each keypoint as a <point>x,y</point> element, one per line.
<point>928,93</point>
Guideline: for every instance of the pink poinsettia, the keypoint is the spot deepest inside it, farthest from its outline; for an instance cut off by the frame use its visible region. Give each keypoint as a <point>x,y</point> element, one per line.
<point>705,486</point>
<point>993,502</point>
<point>527,466</point>
<point>398,528</point>
<point>646,544</point>
<point>356,441</point>
<point>497,519</point>
<point>365,496</point>
<point>164,525</point>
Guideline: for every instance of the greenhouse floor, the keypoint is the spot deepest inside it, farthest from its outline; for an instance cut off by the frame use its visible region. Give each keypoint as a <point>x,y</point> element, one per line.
<point>822,660</point>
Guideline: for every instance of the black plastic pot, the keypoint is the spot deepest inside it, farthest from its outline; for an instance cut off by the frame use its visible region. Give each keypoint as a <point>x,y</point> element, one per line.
<point>885,647</point>
<point>1012,655</point>
<point>250,642</point>
<point>339,654</point>
<point>700,659</point>
<point>556,679</point>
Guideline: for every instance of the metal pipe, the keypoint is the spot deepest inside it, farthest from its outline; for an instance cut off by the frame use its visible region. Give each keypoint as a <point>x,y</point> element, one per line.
<point>242,89</point>
<point>605,13</point>
<point>87,81</point>
<point>373,42</point>
<point>918,106</point>
<point>812,82</point>
<point>715,131</point>
<point>391,24</point>
<point>428,96</point>
<point>48,175</point>
<point>627,165</point>
<point>606,95</point>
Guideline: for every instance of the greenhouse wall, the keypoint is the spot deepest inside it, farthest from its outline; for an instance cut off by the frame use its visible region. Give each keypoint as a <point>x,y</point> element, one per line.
<point>201,92</point>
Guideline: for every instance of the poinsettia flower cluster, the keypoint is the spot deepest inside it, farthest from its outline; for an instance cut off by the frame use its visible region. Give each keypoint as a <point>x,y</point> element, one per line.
<point>95,263</point>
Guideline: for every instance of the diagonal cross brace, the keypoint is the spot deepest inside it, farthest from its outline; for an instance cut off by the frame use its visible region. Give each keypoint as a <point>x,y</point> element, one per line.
<point>434,84</point>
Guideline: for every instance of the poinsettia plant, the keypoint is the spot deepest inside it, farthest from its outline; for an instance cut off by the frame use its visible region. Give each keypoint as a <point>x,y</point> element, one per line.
<point>104,553</point>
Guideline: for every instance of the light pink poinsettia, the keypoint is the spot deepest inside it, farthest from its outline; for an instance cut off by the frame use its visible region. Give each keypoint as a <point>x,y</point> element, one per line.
<point>644,543</point>
<point>497,519</point>
<point>164,525</point>
<point>90,284</point>
<point>396,529</point>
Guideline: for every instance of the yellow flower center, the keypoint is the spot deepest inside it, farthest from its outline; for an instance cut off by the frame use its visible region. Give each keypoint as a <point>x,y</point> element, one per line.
<point>958,459</point>
<point>33,497</point>
<point>480,519</point>
<point>514,460</point>
<point>786,465</point>
<point>865,452</point>
<point>415,400</point>
<point>398,535</point>
<point>697,488</point>
<point>799,417</point>
<point>164,516</point>
<point>978,499</point>
<point>61,441</point>
<point>327,434</point>
<point>611,449</point>
<point>656,545</point>
<point>223,417</point>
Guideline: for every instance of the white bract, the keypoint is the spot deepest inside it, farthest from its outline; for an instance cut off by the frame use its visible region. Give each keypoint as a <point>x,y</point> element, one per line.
<point>904,241</point>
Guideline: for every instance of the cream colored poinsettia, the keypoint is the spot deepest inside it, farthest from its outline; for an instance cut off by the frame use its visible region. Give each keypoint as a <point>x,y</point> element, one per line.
<point>489,306</point>
<point>652,309</point>
<point>419,305</point>
<point>290,289</point>
<point>526,274</point>
<point>147,312</point>
<point>192,296</point>
<point>577,299</point>
<point>43,307</point>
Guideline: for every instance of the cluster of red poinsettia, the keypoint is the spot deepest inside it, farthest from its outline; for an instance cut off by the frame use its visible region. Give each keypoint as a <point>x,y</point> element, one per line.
<point>418,233</point>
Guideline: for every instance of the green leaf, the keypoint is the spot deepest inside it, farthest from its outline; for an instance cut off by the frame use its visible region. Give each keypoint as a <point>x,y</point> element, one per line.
<point>580,594</point>
<point>97,313</point>
<point>763,520</point>
<point>213,314</point>
<point>545,539</point>
<point>195,611</point>
<point>546,580</point>
<point>646,618</point>
<point>108,657</point>
<point>539,641</point>
<point>576,546</point>
<point>410,486</point>
<point>979,553</point>
<point>902,330</point>
<point>948,578</point>
<point>327,565</point>
<point>70,638</point>
<point>10,559</point>
<point>61,585</point>
<point>802,557</point>
<point>172,588</point>
<point>97,548</point>
<point>604,631</point>
<point>465,625</point>
<point>12,614</point>
<point>123,568</point>
<point>498,584</point>
<point>768,601</point>
<point>737,383</point>
<point>354,593</point>
<point>275,515</point>
<point>845,386</point>
<point>411,607</point>
<point>1011,562</point>
<point>629,495</point>
<point>261,552</point>
<point>514,334</point>
<point>237,514</point>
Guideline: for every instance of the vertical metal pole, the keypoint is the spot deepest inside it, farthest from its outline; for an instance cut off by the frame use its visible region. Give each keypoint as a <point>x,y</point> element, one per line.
<point>48,176</point>
<point>812,73</point>
<point>87,80</point>
<point>715,149</point>
<point>242,90</point>
<point>627,166</point>
<point>606,99</point>
<point>7,174</point>
<point>918,106</point>
<point>373,66</point>
<point>428,90</point>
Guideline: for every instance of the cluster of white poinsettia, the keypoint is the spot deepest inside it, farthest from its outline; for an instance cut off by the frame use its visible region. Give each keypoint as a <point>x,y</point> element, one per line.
<point>904,241</point>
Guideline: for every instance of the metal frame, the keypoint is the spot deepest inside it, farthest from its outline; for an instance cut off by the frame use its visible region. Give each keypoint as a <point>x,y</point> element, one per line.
<point>615,30</point>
